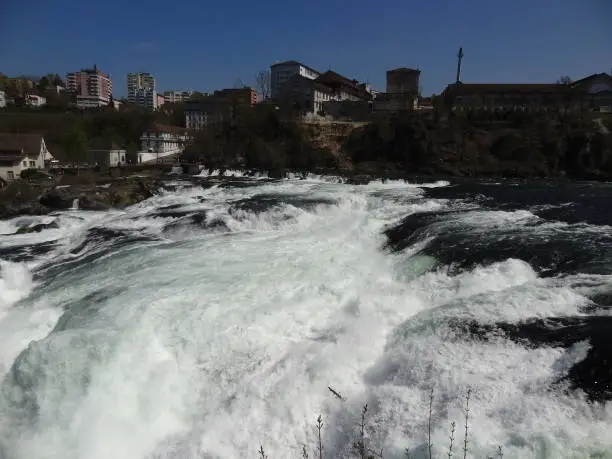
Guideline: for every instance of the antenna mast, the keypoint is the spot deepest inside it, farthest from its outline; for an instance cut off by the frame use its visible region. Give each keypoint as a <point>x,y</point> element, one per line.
<point>459,59</point>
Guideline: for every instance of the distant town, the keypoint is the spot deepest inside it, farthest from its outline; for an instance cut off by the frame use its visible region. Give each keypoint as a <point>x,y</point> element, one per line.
<point>290,86</point>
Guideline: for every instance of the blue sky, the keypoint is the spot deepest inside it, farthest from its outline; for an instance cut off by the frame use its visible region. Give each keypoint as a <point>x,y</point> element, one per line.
<point>205,45</point>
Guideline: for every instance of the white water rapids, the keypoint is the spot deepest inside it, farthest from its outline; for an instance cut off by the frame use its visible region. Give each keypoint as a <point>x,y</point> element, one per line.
<point>208,343</point>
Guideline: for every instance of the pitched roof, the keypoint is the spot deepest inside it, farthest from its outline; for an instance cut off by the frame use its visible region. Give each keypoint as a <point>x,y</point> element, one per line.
<point>335,77</point>
<point>470,88</point>
<point>10,158</point>
<point>591,77</point>
<point>29,143</point>
<point>331,78</point>
<point>178,130</point>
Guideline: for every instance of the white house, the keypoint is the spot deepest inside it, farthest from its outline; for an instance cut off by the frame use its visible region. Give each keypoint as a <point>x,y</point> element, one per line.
<point>34,100</point>
<point>107,154</point>
<point>283,72</point>
<point>21,151</point>
<point>162,141</point>
<point>597,92</point>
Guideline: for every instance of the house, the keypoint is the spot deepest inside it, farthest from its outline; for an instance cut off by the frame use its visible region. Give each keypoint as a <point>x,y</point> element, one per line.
<point>222,104</point>
<point>162,141</point>
<point>34,100</point>
<point>343,88</point>
<point>2,99</point>
<point>311,96</point>
<point>21,151</point>
<point>595,92</point>
<point>107,154</point>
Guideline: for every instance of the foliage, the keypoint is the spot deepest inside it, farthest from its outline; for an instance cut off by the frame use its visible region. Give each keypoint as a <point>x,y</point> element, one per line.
<point>263,83</point>
<point>66,131</point>
<point>505,143</point>
<point>564,80</point>
<point>259,138</point>
<point>75,143</point>
<point>397,139</point>
<point>34,174</point>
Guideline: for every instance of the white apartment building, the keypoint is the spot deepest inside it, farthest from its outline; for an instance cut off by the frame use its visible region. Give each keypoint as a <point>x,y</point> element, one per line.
<point>137,82</point>
<point>177,96</point>
<point>161,141</point>
<point>92,87</point>
<point>146,98</point>
<point>282,72</point>
<point>2,99</point>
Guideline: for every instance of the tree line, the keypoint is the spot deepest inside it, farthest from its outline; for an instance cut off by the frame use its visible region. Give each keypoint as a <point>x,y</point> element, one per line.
<point>70,134</point>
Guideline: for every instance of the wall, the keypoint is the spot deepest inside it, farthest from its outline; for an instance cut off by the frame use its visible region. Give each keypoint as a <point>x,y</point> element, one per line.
<point>27,163</point>
<point>330,135</point>
<point>403,81</point>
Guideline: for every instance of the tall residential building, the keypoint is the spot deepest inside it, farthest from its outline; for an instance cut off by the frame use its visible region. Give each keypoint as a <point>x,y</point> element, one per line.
<point>282,72</point>
<point>91,87</point>
<point>146,98</point>
<point>139,81</point>
<point>217,107</point>
<point>175,97</point>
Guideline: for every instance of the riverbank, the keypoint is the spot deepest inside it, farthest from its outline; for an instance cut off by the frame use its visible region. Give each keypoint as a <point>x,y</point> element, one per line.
<point>88,192</point>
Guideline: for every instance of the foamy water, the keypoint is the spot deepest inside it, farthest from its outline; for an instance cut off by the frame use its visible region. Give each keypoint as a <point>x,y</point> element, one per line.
<point>206,341</point>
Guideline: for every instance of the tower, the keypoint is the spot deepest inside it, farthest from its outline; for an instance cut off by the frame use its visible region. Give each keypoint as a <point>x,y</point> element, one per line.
<point>459,59</point>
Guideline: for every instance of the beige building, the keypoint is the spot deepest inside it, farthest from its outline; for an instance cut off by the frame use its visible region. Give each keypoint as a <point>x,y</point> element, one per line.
<point>19,152</point>
<point>92,88</point>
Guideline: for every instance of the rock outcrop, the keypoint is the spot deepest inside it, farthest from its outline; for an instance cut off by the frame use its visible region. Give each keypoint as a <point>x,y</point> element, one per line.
<point>39,198</point>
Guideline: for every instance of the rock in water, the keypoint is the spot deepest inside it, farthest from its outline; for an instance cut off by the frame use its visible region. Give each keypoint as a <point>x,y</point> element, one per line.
<point>22,198</point>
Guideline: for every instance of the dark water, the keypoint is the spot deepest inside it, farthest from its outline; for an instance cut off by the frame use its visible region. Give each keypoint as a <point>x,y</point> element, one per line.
<point>563,230</point>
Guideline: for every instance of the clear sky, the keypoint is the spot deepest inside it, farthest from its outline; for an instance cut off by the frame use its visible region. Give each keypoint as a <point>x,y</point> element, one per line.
<point>205,45</point>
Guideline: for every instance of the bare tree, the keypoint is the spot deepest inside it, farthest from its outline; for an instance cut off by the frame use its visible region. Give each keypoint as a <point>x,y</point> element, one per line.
<point>238,83</point>
<point>564,80</point>
<point>262,83</point>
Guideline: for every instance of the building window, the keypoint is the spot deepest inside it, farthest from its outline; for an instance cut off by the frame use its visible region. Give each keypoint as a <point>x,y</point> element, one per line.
<point>10,175</point>
<point>32,163</point>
